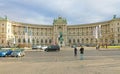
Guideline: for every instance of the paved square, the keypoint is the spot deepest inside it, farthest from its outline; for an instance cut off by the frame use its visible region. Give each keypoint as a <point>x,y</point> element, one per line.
<point>105,61</point>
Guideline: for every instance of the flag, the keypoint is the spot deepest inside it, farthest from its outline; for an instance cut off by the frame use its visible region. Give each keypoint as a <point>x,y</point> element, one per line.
<point>100,31</point>
<point>30,36</point>
<point>14,40</point>
<point>26,34</point>
<point>95,32</point>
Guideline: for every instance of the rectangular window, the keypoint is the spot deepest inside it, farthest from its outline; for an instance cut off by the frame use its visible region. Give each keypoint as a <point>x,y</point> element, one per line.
<point>119,29</point>
<point>111,29</point>
<point>118,41</point>
<point>118,35</point>
<point>117,23</point>
<point>2,41</point>
<point>8,31</point>
<point>2,24</point>
<point>2,30</point>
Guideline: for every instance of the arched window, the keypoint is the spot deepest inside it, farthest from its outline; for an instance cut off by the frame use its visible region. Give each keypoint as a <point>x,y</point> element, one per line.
<point>37,41</point>
<point>28,40</point>
<point>73,40</point>
<point>82,40</point>
<point>23,33</point>
<point>41,40</point>
<point>33,41</point>
<point>78,40</point>
<point>50,40</point>
<point>19,40</point>
<point>69,40</point>
<point>91,40</point>
<point>23,40</point>
<point>45,40</point>
<point>96,40</point>
<point>2,41</point>
<point>106,40</point>
<point>87,40</point>
<point>118,41</point>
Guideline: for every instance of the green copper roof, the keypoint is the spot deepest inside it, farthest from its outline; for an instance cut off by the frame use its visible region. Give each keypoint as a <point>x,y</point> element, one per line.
<point>60,20</point>
<point>1,18</point>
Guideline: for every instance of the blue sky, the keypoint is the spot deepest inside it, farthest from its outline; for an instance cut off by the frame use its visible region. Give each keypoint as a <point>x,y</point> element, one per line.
<point>44,11</point>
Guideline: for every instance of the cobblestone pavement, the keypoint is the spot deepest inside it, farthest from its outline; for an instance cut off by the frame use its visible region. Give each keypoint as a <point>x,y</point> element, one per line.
<point>102,61</point>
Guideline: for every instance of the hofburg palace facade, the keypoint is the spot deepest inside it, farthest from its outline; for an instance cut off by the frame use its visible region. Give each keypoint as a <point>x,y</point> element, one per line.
<point>15,33</point>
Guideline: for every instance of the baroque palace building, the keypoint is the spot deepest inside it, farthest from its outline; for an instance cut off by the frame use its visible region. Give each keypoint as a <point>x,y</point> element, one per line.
<point>15,33</point>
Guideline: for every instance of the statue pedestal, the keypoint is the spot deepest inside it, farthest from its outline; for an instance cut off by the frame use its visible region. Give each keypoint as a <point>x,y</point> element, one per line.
<point>61,45</point>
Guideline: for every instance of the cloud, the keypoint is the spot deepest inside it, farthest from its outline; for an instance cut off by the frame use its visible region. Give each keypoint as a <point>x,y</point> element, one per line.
<point>104,7</point>
<point>44,11</point>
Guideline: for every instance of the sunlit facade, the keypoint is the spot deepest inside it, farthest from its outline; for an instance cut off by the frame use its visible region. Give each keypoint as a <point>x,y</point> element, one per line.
<point>15,33</point>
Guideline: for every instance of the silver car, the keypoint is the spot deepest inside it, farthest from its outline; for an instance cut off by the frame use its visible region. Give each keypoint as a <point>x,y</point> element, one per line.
<point>18,53</point>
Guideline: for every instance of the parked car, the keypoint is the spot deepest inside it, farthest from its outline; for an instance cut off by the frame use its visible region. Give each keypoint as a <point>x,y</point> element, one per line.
<point>34,47</point>
<point>53,48</point>
<point>44,47</point>
<point>9,51</point>
<point>73,46</point>
<point>18,53</point>
<point>39,46</point>
<point>3,53</point>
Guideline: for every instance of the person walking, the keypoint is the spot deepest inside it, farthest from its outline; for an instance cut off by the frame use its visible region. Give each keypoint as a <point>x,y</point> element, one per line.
<point>75,51</point>
<point>97,47</point>
<point>81,52</point>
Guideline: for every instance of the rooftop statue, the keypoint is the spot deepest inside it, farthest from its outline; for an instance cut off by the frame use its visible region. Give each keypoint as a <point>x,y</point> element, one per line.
<point>114,16</point>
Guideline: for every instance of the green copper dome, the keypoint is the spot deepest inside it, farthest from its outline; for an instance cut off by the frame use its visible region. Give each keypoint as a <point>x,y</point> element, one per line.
<point>59,20</point>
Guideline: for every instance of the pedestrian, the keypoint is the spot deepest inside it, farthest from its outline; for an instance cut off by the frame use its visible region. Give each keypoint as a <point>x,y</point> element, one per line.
<point>98,46</point>
<point>81,52</point>
<point>75,51</point>
<point>106,45</point>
